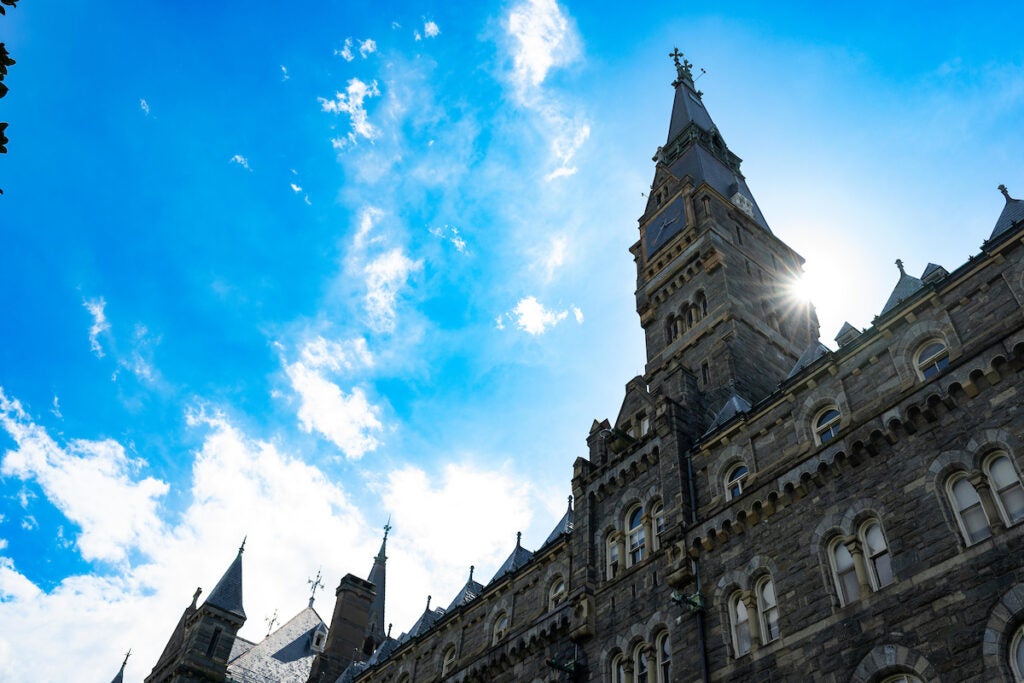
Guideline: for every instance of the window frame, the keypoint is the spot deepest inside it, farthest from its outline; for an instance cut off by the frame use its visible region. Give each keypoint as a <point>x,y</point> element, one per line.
<point>618,668</point>
<point>764,609</point>
<point>870,556</point>
<point>612,555</point>
<point>663,649</point>
<point>1016,653</point>
<point>658,525</point>
<point>501,627</point>
<point>448,660</point>
<point>636,536</point>
<point>641,664</point>
<point>825,424</point>
<point>838,577</point>
<point>738,625</point>
<point>734,478</point>
<point>935,363</point>
<point>998,492</point>
<point>958,512</point>
<point>557,592</point>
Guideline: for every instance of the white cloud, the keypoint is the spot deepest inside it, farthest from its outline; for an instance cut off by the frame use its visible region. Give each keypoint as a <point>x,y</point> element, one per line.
<point>367,47</point>
<point>543,38</point>
<point>56,413</point>
<point>368,218</point>
<point>320,353</point>
<point>499,322</point>
<point>295,188</point>
<point>385,277</point>
<point>577,313</point>
<point>241,161</point>
<point>533,318</point>
<point>351,102</point>
<point>552,257</point>
<point>346,51</point>
<point>349,421</point>
<point>284,73</point>
<point>431,30</point>
<point>144,106</point>
<point>99,323</point>
<point>450,233</point>
<point>238,486</point>
<point>82,479</point>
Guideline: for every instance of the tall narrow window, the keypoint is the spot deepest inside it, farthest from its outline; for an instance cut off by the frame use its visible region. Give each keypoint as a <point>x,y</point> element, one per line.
<point>557,593</point>
<point>969,513</point>
<point>1007,487</point>
<point>877,551</point>
<point>1017,654</point>
<point>664,659</point>
<point>612,553</point>
<point>767,610</point>
<point>705,373</point>
<point>932,359</point>
<point>214,639</point>
<point>734,481</point>
<point>740,625</point>
<point>826,425</point>
<point>448,663</point>
<point>637,540</point>
<point>702,304</point>
<point>618,669</point>
<point>845,573</point>
<point>500,628</point>
<point>640,669</point>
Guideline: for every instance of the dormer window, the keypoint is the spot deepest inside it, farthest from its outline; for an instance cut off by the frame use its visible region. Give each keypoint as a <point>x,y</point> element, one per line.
<point>319,639</point>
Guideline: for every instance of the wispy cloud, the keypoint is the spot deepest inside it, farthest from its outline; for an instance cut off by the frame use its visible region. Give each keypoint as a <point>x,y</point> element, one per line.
<point>241,161</point>
<point>450,234</point>
<point>431,30</point>
<point>367,47</point>
<point>295,188</point>
<point>99,325</point>
<point>550,257</point>
<point>386,275</point>
<point>144,106</point>
<point>543,38</point>
<point>284,73</point>
<point>346,51</point>
<point>55,409</point>
<point>351,102</point>
<point>534,318</point>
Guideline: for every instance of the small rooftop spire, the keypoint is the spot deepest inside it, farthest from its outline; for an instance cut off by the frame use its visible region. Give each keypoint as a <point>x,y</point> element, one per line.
<point>570,501</point>
<point>471,568</point>
<point>314,584</point>
<point>195,596</point>
<point>241,548</point>
<point>684,68</point>
<point>1006,193</point>
<point>428,603</point>
<point>119,678</point>
<point>389,630</point>
<point>899,264</point>
<point>519,538</point>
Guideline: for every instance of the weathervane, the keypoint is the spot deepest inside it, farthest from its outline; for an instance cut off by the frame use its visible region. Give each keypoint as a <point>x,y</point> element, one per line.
<point>270,621</point>
<point>315,583</point>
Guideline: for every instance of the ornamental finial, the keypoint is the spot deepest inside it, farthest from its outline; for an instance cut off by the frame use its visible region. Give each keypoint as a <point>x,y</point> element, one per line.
<point>683,68</point>
<point>1006,193</point>
<point>899,264</point>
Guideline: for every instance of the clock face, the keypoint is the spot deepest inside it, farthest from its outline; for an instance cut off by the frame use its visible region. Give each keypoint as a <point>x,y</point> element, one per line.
<point>665,225</point>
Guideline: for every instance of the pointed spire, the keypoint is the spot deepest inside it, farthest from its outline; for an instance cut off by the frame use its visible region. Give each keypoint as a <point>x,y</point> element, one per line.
<point>227,594</point>
<point>378,577</point>
<point>119,678</point>
<point>1011,217</point>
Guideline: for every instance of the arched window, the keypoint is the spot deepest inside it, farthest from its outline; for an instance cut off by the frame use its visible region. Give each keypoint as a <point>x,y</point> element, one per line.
<point>734,481</point>
<point>931,359</point>
<point>740,625</point>
<point>969,513</point>
<point>637,541</point>
<point>664,659</point>
<point>702,304</point>
<point>902,678</point>
<point>556,594</point>
<point>767,610</point>
<point>1017,654</point>
<point>618,669</point>
<point>448,662</point>
<point>1007,487</point>
<point>844,572</point>
<point>612,555</point>
<point>690,317</point>
<point>404,678</point>
<point>877,552</point>
<point>826,425</point>
<point>640,669</point>
<point>500,628</point>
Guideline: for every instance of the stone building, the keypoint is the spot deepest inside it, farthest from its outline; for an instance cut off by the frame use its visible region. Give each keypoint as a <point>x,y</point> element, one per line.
<point>762,508</point>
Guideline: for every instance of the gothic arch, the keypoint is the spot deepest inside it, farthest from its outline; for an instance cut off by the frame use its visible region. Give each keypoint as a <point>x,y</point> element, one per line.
<point>890,658</point>
<point>992,440</point>
<point>820,399</point>
<point>1006,615</point>
<point>908,343</point>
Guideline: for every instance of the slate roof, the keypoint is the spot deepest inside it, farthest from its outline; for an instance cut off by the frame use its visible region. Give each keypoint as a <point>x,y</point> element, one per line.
<point>1011,216</point>
<point>702,165</point>
<point>351,671</point>
<point>424,623</point>
<point>468,592</point>
<point>847,333</point>
<point>383,651</point>
<point>564,525</point>
<point>177,639</point>
<point>812,353</point>
<point>285,655</point>
<point>905,288</point>
<point>733,405</point>
<point>517,559</point>
<point>227,594</point>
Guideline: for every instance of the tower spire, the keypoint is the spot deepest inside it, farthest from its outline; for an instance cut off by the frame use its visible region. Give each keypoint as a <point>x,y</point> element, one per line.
<point>378,577</point>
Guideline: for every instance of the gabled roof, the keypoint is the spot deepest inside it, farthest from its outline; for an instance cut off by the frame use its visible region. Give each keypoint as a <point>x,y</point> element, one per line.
<point>812,353</point>
<point>517,559</point>
<point>564,525</point>
<point>735,404</point>
<point>847,333</point>
<point>177,639</point>
<point>468,592</point>
<point>227,594</point>
<point>286,655</point>
<point>904,289</point>
<point>1011,216</point>
<point>383,651</point>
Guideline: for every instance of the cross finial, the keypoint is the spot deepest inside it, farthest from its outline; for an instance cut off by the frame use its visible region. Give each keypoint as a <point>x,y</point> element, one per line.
<point>675,55</point>
<point>126,656</point>
<point>195,596</point>
<point>387,527</point>
<point>241,548</point>
<point>683,72</point>
<point>314,583</point>
<point>270,621</point>
<point>899,264</point>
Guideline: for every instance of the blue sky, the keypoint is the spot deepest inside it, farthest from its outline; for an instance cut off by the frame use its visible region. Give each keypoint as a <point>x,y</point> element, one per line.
<point>285,271</point>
